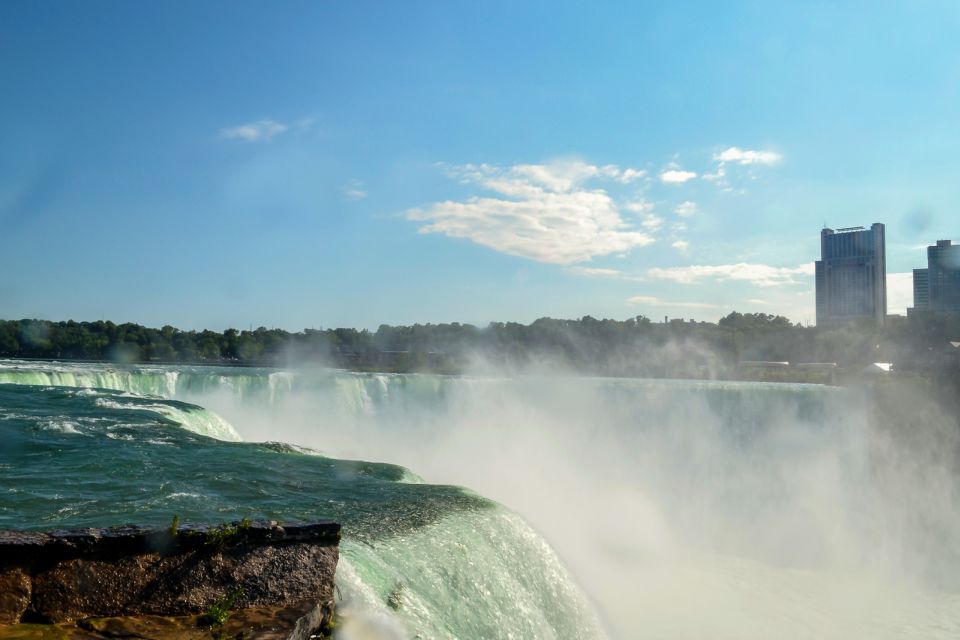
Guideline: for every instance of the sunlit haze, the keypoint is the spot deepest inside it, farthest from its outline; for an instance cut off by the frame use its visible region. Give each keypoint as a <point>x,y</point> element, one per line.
<point>500,320</point>
<point>348,163</point>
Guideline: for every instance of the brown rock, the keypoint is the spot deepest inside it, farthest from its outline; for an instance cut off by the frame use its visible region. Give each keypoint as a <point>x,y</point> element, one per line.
<point>14,594</point>
<point>297,621</point>
<point>189,583</point>
<point>80,588</point>
<point>64,576</point>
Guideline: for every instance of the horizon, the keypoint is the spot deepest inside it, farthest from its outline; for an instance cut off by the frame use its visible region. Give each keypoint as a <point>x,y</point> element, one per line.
<point>373,330</point>
<point>229,165</point>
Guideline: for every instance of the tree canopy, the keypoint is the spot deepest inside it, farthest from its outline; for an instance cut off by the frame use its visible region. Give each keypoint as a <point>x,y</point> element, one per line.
<point>635,346</point>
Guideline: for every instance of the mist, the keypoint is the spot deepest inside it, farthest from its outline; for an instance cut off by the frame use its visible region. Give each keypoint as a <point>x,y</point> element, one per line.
<point>683,508</point>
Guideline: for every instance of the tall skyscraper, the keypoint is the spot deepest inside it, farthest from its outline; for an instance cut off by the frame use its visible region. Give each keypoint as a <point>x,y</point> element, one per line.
<point>937,288</point>
<point>921,289</point>
<point>852,275</point>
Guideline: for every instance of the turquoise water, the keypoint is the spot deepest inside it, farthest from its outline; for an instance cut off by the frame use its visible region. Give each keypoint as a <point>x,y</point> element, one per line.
<point>437,561</point>
<point>95,457</point>
<point>665,509</point>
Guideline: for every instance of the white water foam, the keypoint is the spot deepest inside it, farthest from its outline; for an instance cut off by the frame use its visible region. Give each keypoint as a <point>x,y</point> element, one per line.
<point>806,524</point>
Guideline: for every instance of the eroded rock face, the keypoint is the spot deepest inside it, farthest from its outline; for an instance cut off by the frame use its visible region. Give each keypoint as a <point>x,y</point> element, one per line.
<point>15,589</point>
<point>65,576</point>
<point>298,621</point>
<point>179,585</point>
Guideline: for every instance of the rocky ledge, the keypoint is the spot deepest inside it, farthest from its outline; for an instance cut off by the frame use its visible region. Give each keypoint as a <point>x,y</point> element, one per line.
<point>249,579</point>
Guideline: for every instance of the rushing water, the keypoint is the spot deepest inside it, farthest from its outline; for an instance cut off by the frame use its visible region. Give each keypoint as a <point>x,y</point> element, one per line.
<point>683,509</point>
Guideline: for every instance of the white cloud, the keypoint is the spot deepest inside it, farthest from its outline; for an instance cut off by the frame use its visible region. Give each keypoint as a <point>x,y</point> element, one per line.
<point>676,176</point>
<point>738,156</point>
<point>761,275</point>
<point>899,292</point>
<point>639,206</point>
<point>594,272</point>
<point>718,176</point>
<point>757,301</point>
<point>623,176</point>
<point>651,222</point>
<point>628,175</point>
<point>540,212</point>
<point>560,176</point>
<point>686,209</point>
<point>259,131</point>
<point>680,245</point>
<point>748,156</point>
<point>658,302</point>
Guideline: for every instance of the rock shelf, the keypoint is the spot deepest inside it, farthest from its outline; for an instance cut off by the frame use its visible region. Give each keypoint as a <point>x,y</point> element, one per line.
<point>272,580</point>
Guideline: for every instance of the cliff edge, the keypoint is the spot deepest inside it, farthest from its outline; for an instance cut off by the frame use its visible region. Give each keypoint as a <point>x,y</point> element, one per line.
<point>249,579</point>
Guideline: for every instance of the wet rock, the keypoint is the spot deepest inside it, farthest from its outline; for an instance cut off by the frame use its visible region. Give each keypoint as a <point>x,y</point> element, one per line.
<point>81,588</point>
<point>297,621</point>
<point>66,576</point>
<point>15,588</point>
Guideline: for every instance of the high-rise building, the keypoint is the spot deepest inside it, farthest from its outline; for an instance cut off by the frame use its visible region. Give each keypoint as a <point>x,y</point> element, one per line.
<point>921,289</point>
<point>852,275</point>
<point>937,288</point>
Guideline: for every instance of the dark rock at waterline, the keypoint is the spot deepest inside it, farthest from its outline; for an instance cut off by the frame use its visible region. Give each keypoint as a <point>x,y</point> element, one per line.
<point>74,575</point>
<point>297,621</point>
<point>64,544</point>
<point>15,588</point>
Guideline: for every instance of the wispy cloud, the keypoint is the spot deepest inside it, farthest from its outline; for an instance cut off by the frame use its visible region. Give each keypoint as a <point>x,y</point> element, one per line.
<point>676,176</point>
<point>736,155</point>
<point>639,206</point>
<point>628,175</point>
<point>259,131</point>
<point>653,301</point>
<point>719,175</point>
<point>686,209</point>
<point>680,245</point>
<point>651,222</point>
<point>543,212</point>
<point>354,191</point>
<point>761,275</point>
<point>521,179</point>
<point>266,129</point>
<point>595,272</point>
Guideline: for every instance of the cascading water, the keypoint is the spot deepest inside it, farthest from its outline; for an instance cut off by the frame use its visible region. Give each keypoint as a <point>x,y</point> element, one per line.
<point>417,560</point>
<point>685,509</point>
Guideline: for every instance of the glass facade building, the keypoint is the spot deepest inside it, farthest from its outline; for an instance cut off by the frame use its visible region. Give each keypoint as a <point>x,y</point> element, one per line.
<point>921,289</point>
<point>851,275</point>
<point>937,288</point>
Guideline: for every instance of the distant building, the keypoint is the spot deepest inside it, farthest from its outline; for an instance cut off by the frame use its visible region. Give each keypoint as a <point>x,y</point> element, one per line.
<point>816,366</point>
<point>851,275</point>
<point>921,290</point>
<point>764,364</point>
<point>937,288</point>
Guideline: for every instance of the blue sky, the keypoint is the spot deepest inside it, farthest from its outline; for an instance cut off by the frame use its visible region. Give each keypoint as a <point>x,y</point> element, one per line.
<point>318,164</point>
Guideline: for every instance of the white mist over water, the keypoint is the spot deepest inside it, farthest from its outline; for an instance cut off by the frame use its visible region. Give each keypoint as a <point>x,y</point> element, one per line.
<point>685,509</point>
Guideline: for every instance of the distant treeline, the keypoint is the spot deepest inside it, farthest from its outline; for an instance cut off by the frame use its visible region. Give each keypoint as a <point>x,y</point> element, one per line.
<point>636,346</point>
